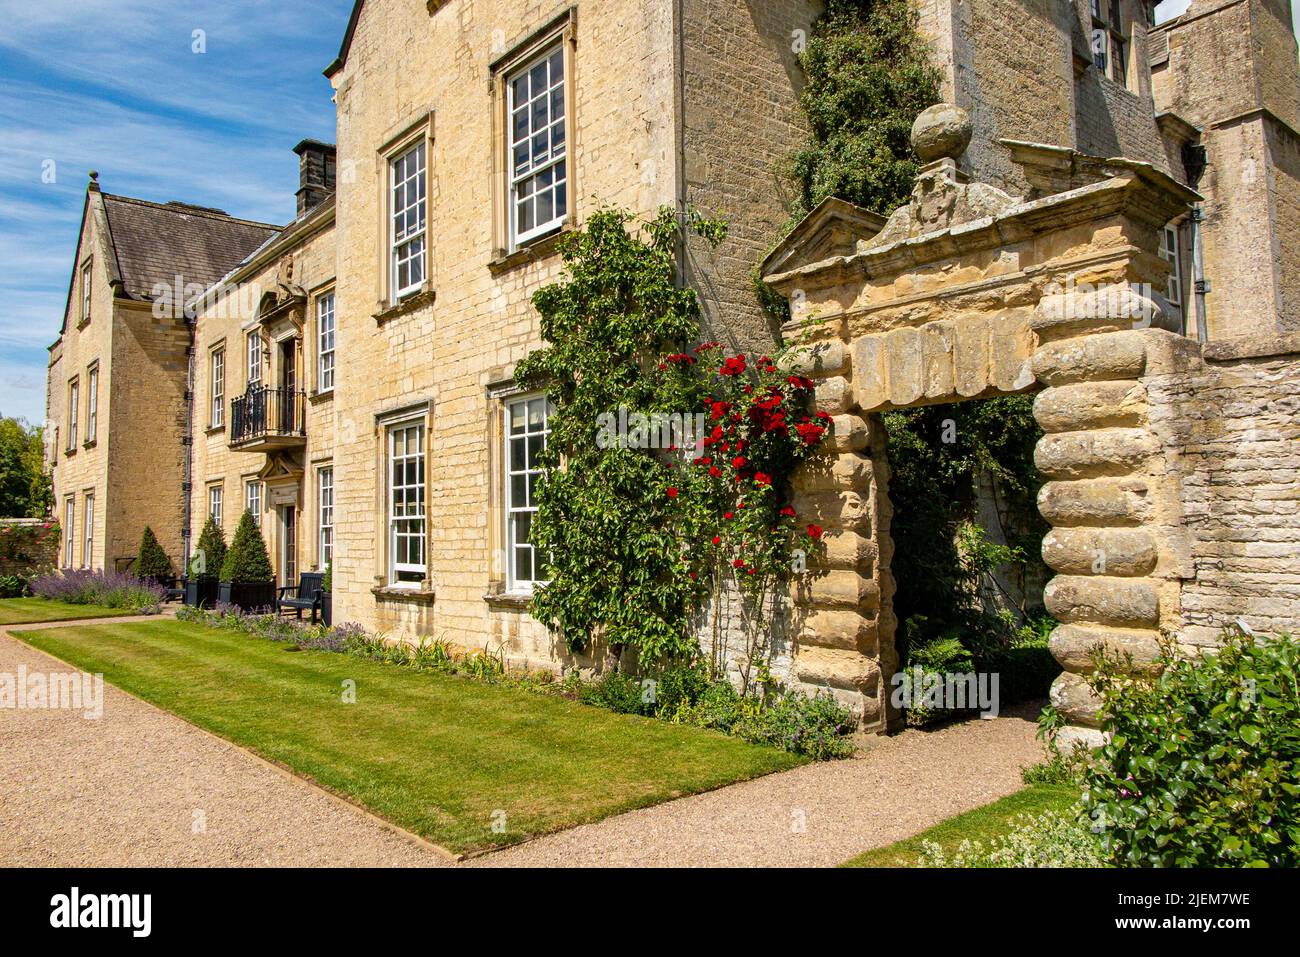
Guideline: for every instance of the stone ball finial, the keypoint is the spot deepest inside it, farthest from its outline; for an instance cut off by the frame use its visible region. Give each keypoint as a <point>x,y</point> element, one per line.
<point>94,176</point>
<point>942,130</point>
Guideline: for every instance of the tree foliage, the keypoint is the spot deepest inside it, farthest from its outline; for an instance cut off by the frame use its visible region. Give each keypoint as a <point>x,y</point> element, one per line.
<point>24,484</point>
<point>937,455</point>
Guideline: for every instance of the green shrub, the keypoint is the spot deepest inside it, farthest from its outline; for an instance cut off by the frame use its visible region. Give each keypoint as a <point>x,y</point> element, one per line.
<point>680,685</point>
<point>13,586</point>
<point>247,561</point>
<point>1050,839</point>
<point>617,691</point>
<point>816,726</point>
<point>1199,769</point>
<point>327,583</point>
<point>152,562</point>
<point>212,545</point>
<point>1059,768</point>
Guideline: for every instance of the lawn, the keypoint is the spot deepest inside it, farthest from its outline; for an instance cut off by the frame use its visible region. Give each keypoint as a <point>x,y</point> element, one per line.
<point>24,611</point>
<point>442,756</point>
<point>980,824</point>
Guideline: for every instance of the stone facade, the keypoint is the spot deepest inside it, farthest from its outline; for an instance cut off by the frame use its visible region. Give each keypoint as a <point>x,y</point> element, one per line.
<point>119,456</point>
<point>1228,68</point>
<point>979,287</point>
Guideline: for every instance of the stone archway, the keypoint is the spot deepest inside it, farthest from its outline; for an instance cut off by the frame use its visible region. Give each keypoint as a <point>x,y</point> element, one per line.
<point>966,293</point>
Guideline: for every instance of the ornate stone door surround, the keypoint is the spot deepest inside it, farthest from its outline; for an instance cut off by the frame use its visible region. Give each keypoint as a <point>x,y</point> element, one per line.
<point>968,293</point>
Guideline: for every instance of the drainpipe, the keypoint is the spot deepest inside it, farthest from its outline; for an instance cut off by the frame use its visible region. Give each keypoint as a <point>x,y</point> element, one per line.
<point>1200,284</point>
<point>187,444</point>
<point>1194,162</point>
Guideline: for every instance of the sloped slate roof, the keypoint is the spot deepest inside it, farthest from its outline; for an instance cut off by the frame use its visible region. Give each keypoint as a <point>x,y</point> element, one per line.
<point>156,242</point>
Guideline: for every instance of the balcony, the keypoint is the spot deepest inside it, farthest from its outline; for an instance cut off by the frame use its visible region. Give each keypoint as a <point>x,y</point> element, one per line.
<point>264,418</point>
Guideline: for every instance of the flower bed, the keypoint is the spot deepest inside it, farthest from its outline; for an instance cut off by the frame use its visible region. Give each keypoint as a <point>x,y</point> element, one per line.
<point>82,586</point>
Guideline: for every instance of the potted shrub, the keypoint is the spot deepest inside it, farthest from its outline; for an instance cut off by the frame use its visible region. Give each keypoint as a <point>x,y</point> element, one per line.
<point>205,566</point>
<point>246,576</point>
<point>326,604</point>
<point>152,563</point>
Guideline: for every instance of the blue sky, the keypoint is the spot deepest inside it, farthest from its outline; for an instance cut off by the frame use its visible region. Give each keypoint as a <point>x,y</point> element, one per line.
<point>114,85</point>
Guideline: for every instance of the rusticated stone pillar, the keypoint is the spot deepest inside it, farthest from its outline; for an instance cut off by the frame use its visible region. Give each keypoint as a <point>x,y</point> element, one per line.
<point>1113,508</point>
<point>845,640</point>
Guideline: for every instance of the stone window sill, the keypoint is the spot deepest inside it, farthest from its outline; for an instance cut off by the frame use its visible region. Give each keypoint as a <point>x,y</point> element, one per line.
<point>422,596</point>
<point>214,430</point>
<point>316,397</point>
<point>68,453</point>
<point>517,601</point>
<point>536,250</point>
<point>89,444</point>
<point>419,300</point>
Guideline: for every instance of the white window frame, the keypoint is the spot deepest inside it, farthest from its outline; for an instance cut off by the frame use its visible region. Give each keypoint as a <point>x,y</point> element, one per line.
<point>1170,253</point>
<point>73,391</point>
<point>253,349</point>
<point>325,351</point>
<point>325,514</point>
<point>69,530</point>
<point>409,244</point>
<point>217,376</point>
<point>85,291</point>
<point>551,170</point>
<point>253,498</point>
<point>88,530</point>
<point>92,402</point>
<point>410,524</point>
<point>515,509</point>
<point>215,504</point>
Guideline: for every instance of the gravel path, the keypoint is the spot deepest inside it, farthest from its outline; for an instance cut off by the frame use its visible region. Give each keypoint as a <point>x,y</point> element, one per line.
<point>815,816</point>
<point>141,787</point>
<point>126,790</point>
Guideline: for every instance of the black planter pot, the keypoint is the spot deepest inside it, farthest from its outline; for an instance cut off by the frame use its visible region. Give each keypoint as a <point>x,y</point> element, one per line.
<point>201,593</point>
<point>326,609</point>
<point>248,596</point>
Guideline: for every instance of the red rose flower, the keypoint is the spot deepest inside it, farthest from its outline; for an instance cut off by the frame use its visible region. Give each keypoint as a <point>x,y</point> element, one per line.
<point>815,532</point>
<point>714,471</point>
<point>788,512</point>
<point>738,563</point>
<point>733,366</point>
<point>729,515</point>
<point>672,491</point>
<point>717,539</point>
<point>738,462</point>
<point>762,478</point>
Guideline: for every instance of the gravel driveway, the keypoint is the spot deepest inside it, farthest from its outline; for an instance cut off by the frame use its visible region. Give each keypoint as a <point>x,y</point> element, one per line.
<point>141,787</point>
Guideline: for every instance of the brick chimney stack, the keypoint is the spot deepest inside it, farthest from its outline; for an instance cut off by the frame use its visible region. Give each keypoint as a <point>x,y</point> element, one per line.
<point>315,173</point>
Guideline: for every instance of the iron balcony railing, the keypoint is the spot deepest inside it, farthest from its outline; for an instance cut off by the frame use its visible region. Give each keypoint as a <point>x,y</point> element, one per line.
<point>263,412</point>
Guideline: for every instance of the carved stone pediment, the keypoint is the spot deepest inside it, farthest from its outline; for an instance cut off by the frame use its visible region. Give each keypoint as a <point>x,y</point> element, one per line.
<point>834,228</point>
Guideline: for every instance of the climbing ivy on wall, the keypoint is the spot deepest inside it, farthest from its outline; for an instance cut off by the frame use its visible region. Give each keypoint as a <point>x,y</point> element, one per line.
<point>869,74</point>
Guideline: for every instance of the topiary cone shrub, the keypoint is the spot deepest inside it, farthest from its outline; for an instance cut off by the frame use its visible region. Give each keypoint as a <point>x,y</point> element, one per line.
<point>152,564</point>
<point>212,543</point>
<point>246,576</point>
<point>201,587</point>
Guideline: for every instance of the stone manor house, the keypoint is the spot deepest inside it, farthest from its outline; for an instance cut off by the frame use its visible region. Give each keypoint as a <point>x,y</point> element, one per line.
<point>347,377</point>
